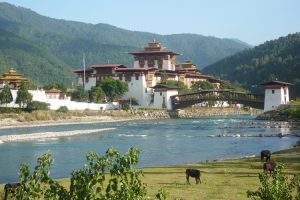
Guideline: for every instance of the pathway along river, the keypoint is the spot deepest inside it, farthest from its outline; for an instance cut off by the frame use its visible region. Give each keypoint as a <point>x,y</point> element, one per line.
<point>163,142</point>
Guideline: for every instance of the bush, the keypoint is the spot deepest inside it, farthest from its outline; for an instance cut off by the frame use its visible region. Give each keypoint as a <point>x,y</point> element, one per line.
<point>37,105</point>
<point>90,181</point>
<point>278,187</point>
<point>62,109</point>
<point>10,110</point>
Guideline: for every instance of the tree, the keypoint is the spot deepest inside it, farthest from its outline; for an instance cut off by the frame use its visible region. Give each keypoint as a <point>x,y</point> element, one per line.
<point>113,88</point>
<point>124,180</point>
<point>58,86</point>
<point>23,96</point>
<point>182,88</point>
<point>6,96</point>
<point>79,94</point>
<point>202,85</point>
<point>96,94</point>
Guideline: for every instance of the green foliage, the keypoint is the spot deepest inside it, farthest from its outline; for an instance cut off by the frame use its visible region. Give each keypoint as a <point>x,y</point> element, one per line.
<point>89,182</point>
<point>23,96</point>
<point>293,111</point>
<point>96,94</point>
<point>62,109</point>
<point>277,59</point>
<point>179,84</point>
<point>113,88</point>
<point>134,101</point>
<point>37,105</point>
<point>162,194</point>
<point>35,62</point>
<point>234,87</point>
<point>6,95</point>
<point>202,85</point>
<point>10,110</point>
<point>279,187</point>
<point>57,86</point>
<point>79,94</point>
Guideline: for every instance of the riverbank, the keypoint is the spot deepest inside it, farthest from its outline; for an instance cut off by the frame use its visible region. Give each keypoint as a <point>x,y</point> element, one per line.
<point>45,118</point>
<point>226,179</point>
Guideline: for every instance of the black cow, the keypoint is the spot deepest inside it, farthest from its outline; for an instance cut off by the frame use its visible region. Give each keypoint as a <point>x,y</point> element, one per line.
<point>195,173</point>
<point>8,187</point>
<point>269,166</point>
<point>265,154</point>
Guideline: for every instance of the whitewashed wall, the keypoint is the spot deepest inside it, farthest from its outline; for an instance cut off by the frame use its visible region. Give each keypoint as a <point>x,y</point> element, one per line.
<point>272,101</point>
<point>40,95</point>
<point>158,99</point>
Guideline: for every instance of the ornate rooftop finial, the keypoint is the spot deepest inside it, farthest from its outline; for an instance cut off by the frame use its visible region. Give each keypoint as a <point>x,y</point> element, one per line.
<point>154,46</point>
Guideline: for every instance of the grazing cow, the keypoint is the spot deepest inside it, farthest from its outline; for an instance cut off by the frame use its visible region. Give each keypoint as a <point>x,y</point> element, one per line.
<point>269,166</point>
<point>265,154</point>
<point>8,187</point>
<point>195,173</point>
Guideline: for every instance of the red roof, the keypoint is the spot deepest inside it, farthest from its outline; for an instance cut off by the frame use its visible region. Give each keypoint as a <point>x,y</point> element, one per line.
<point>152,52</point>
<point>108,65</point>
<point>53,91</point>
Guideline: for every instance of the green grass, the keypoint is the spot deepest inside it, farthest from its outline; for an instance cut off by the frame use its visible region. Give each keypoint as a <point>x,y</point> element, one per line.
<point>229,179</point>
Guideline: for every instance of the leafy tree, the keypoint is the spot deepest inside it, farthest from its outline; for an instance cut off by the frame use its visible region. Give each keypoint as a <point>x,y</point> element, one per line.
<point>182,88</point>
<point>6,96</point>
<point>113,88</point>
<point>79,94</point>
<point>278,187</point>
<point>96,94</point>
<point>58,86</point>
<point>23,96</point>
<point>235,87</point>
<point>124,181</point>
<point>202,85</point>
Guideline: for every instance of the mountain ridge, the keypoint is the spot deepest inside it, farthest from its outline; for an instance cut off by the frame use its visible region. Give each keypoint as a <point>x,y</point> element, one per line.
<point>275,59</point>
<point>69,40</point>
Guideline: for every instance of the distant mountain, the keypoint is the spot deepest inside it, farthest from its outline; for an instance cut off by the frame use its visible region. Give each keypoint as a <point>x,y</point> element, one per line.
<point>68,40</point>
<point>276,59</point>
<point>34,62</point>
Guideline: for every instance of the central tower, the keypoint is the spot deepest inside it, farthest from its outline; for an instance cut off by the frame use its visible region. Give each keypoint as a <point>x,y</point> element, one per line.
<point>155,56</point>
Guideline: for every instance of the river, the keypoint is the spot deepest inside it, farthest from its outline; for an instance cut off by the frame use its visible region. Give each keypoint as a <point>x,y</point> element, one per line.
<point>163,142</point>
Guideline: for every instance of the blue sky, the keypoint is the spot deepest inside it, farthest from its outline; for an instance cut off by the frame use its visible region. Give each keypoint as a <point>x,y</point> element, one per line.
<point>252,21</point>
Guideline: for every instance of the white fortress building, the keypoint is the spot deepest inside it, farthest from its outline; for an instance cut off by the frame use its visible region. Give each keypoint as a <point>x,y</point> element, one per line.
<point>150,67</point>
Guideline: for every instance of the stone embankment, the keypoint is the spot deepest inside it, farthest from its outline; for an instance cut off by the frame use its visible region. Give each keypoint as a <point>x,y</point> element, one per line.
<point>275,116</point>
<point>187,113</point>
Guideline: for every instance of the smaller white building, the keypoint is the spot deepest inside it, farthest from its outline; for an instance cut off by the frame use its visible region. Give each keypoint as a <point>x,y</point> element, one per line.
<point>162,94</point>
<point>276,94</point>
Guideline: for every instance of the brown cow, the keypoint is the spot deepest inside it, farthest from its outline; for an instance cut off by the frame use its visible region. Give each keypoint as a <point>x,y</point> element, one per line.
<point>269,166</point>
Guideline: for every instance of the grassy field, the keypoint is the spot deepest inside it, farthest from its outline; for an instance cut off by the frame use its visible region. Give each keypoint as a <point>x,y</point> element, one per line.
<point>229,179</point>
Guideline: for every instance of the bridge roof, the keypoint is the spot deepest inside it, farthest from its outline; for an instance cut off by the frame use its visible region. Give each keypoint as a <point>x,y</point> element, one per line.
<point>163,86</point>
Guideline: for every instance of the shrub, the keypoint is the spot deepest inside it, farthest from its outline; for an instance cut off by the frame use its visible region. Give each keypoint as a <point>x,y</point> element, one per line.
<point>87,183</point>
<point>10,110</point>
<point>37,105</point>
<point>62,109</point>
<point>277,187</point>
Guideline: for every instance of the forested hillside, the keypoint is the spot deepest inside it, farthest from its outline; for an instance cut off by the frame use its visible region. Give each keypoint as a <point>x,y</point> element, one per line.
<point>32,61</point>
<point>278,59</point>
<point>101,43</point>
